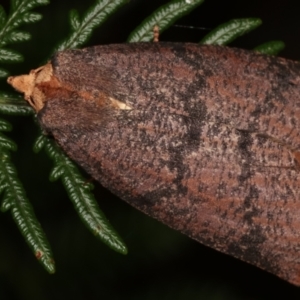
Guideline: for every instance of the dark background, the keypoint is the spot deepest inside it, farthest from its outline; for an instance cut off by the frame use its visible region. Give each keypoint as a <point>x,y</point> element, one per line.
<point>161,264</point>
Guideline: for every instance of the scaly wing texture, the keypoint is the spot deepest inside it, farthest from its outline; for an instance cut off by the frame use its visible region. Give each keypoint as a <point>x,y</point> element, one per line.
<point>210,146</point>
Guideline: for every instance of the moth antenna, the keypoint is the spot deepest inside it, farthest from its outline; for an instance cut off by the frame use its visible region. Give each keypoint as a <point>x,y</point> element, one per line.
<point>192,27</point>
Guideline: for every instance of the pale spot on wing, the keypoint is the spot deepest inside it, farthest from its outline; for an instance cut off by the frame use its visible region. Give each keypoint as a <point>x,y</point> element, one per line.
<point>118,104</point>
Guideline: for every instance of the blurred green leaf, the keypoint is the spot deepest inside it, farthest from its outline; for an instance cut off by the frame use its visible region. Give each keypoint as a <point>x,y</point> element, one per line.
<point>227,32</point>
<point>94,17</point>
<point>164,17</point>
<point>271,48</point>
<point>80,194</point>
<point>14,105</point>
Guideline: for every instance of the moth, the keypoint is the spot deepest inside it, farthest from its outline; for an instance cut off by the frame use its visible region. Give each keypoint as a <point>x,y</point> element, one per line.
<point>206,139</point>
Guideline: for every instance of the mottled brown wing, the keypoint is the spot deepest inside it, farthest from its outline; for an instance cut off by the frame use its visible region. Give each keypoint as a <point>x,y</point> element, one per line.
<point>210,146</point>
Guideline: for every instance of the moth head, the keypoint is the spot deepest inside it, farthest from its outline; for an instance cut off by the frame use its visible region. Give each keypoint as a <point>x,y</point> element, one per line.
<point>30,85</point>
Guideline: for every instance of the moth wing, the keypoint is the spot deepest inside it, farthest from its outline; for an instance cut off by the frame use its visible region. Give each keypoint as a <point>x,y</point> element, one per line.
<point>236,191</point>
<point>215,157</point>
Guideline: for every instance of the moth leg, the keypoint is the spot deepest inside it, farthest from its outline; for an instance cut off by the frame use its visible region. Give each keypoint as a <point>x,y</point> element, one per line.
<point>156,33</point>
